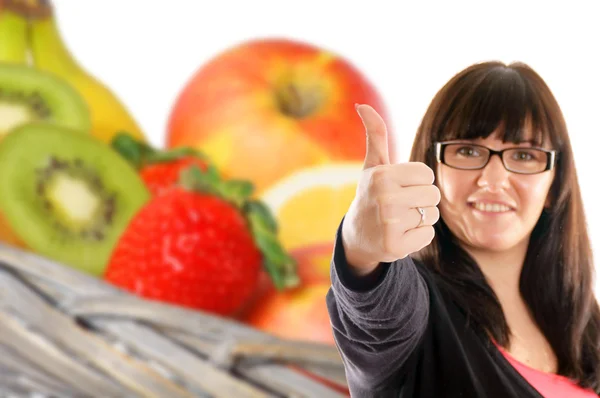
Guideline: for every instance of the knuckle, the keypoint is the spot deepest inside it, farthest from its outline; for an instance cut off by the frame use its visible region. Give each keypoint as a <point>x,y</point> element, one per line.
<point>430,191</point>
<point>426,172</point>
<point>377,179</point>
<point>436,214</point>
<point>437,195</point>
<point>430,175</point>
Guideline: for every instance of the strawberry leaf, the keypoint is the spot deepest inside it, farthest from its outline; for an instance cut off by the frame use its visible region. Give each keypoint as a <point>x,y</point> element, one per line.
<point>132,150</point>
<point>174,154</point>
<point>140,154</point>
<point>236,191</point>
<point>279,265</point>
<point>193,178</point>
<point>263,212</point>
<point>233,191</point>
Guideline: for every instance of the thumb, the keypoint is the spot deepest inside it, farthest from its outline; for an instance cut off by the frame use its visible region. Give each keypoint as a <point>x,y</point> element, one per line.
<point>377,140</point>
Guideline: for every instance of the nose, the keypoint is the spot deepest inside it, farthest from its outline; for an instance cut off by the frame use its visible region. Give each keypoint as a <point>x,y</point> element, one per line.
<point>494,175</point>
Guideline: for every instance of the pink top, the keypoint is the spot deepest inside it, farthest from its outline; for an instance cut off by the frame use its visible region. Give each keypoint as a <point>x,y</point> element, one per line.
<point>548,384</point>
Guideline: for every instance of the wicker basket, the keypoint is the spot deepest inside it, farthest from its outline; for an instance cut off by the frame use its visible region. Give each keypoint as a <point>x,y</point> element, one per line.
<point>66,334</point>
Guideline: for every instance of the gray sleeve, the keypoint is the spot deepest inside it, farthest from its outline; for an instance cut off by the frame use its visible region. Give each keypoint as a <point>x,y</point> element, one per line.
<point>376,322</point>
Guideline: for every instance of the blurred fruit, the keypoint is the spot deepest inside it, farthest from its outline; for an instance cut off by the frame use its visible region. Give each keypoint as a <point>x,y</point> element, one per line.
<point>65,195</point>
<point>8,236</point>
<point>50,53</point>
<point>161,176</point>
<point>312,267</point>
<point>200,245</point>
<point>298,314</point>
<point>314,262</point>
<point>159,169</point>
<point>268,107</point>
<point>310,203</point>
<point>13,33</point>
<point>27,95</point>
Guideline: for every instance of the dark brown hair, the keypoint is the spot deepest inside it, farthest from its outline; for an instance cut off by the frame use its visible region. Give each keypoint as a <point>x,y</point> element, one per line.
<point>557,277</point>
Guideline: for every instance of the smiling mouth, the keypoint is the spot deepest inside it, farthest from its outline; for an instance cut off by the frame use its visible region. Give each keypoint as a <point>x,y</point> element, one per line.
<point>491,207</point>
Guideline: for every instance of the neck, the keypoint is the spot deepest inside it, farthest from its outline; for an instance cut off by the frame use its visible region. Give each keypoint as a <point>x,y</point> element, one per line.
<point>502,269</point>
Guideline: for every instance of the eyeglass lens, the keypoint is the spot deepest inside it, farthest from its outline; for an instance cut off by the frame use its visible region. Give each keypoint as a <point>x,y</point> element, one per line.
<point>521,160</point>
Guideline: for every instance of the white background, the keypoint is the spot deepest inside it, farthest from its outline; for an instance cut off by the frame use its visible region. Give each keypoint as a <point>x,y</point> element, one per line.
<point>147,50</point>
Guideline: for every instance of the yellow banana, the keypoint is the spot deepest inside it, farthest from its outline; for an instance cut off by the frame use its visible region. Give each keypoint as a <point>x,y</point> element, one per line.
<point>13,34</point>
<point>49,52</point>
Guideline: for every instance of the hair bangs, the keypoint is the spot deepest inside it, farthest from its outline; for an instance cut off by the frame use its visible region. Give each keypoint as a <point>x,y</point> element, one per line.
<point>498,99</point>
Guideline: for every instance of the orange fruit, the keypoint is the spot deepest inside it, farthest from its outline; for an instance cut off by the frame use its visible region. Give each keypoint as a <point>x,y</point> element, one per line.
<point>310,203</point>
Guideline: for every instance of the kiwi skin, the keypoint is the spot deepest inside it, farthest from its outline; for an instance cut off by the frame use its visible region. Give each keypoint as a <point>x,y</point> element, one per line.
<point>37,158</point>
<point>40,96</point>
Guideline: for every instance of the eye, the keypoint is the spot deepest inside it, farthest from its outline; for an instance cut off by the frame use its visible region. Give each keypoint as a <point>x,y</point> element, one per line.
<point>524,155</point>
<point>467,151</point>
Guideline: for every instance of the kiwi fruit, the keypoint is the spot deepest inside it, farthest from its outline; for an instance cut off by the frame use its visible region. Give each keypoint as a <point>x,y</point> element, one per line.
<point>66,195</point>
<point>28,94</point>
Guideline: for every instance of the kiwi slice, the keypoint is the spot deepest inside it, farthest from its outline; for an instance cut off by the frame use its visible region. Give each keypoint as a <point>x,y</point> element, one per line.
<point>66,195</point>
<point>28,94</point>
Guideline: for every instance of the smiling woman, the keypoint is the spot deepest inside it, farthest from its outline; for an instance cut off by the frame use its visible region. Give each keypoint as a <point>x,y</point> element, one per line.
<point>489,292</point>
<point>488,201</point>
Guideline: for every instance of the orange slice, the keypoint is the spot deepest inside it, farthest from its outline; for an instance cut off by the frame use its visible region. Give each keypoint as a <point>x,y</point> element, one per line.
<point>310,203</point>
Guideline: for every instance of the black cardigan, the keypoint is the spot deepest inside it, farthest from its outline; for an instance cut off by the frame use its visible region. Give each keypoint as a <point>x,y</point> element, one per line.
<point>401,337</point>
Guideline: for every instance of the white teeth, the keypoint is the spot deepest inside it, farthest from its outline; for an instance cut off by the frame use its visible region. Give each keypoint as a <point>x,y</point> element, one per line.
<point>494,208</point>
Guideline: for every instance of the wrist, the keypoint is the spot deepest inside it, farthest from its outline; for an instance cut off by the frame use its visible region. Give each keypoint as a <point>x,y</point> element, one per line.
<point>358,263</point>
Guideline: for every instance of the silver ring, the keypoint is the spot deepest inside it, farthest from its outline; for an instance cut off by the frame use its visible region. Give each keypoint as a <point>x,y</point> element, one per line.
<point>422,213</point>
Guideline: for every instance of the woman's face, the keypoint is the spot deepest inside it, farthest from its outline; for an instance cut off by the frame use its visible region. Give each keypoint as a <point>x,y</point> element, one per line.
<point>465,194</point>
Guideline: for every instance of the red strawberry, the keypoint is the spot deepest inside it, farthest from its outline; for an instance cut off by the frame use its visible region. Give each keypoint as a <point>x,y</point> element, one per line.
<point>201,245</point>
<point>158,169</point>
<point>162,176</point>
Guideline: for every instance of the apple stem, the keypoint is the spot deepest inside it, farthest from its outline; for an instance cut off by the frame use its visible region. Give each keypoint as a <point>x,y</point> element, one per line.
<point>295,100</point>
<point>294,104</point>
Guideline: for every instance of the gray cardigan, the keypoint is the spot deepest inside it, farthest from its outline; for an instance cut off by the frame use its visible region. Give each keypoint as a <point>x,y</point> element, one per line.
<point>400,337</point>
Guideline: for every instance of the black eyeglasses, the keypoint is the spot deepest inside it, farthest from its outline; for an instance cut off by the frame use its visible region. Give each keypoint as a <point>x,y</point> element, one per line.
<point>521,160</point>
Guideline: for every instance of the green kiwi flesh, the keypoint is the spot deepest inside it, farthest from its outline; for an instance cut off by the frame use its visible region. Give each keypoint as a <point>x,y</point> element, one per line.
<point>67,195</point>
<point>28,94</point>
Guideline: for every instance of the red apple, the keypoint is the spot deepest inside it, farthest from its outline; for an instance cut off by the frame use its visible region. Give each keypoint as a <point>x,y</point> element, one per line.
<point>314,262</point>
<point>267,107</point>
<point>313,265</point>
<point>297,314</point>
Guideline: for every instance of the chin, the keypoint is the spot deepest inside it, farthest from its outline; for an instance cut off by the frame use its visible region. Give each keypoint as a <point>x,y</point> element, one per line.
<point>495,243</point>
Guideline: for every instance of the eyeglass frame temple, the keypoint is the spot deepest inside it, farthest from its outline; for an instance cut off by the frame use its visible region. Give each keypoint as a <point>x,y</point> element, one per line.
<point>550,163</point>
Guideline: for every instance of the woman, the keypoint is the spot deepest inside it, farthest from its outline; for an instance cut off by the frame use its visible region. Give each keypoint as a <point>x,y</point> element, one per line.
<point>463,273</point>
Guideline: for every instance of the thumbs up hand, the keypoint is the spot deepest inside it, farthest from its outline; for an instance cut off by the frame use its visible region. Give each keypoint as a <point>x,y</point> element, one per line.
<point>384,221</point>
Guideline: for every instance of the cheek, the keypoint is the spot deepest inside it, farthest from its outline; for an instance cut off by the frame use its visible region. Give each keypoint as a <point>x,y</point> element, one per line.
<point>454,186</point>
<point>533,191</point>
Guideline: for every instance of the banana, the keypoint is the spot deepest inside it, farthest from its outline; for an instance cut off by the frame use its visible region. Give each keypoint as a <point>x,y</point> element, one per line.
<point>49,53</point>
<point>13,34</point>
